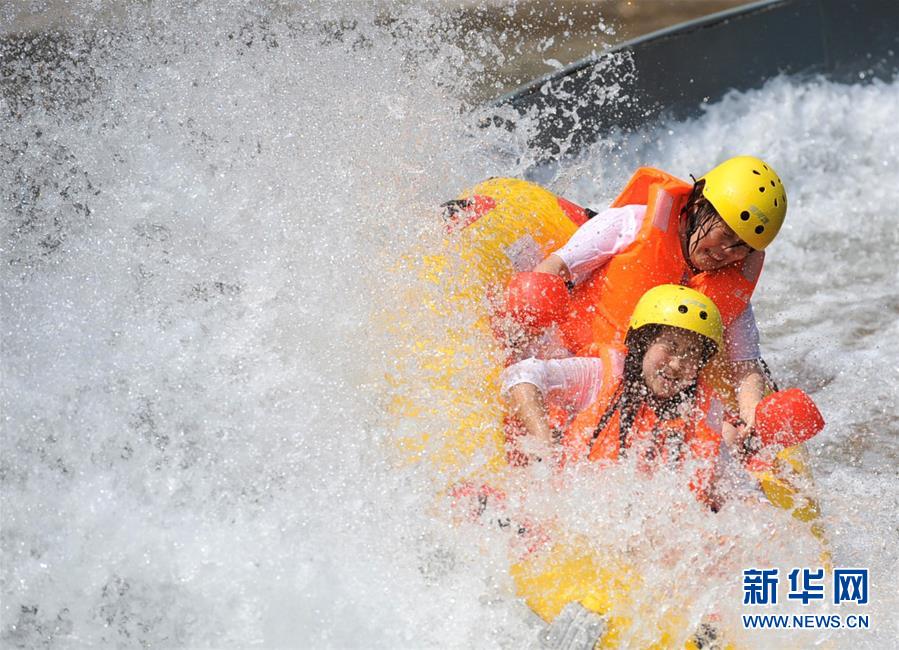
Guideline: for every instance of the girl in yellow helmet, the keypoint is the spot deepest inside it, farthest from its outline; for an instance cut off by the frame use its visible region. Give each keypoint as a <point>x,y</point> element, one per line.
<point>627,395</point>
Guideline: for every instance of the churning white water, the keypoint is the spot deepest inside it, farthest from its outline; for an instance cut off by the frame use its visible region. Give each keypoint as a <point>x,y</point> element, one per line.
<point>203,211</point>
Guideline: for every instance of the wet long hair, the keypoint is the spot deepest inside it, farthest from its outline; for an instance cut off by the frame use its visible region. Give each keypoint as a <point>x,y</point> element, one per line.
<point>633,393</point>
<point>699,217</point>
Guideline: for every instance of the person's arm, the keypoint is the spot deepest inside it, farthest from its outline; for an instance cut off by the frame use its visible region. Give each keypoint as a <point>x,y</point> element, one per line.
<point>745,369</point>
<point>526,404</point>
<point>573,383</point>
<point>554,265</point>
<point>751,384</point>
<point>594,243</point>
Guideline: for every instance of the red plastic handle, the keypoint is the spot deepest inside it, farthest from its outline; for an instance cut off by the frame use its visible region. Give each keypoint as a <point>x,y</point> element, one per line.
<point>537,299</point>
<point>787,418</point>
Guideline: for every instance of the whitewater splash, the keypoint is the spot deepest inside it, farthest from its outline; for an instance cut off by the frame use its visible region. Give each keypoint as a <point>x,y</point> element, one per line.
<point>204,213</point>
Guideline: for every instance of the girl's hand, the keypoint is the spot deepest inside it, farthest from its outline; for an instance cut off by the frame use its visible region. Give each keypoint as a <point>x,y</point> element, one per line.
<point>539,451</point>
<point>739,437</point>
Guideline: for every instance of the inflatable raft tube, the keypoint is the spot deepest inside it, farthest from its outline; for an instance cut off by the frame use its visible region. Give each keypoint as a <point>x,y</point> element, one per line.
<point>454,420</point>
<point>495,229</point>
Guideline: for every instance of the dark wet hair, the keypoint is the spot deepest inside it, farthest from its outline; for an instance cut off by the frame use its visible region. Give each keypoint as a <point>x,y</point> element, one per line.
<point>632,393</point>
<point>699,215</point>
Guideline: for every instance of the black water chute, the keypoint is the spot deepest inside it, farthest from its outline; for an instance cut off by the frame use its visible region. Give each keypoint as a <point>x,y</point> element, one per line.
<point>675,71</point>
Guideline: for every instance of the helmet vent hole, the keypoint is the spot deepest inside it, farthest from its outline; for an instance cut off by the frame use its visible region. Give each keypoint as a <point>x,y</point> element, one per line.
<point>759,230</point>
<point>744,215</point>
<point>784,198</point>
<point>703,315</point>
<point>766,168</point>
<point>682,309</point>
<point>756,172</point>
<point>761,189</point>
<point>772,183</point>
<point>775,203</point>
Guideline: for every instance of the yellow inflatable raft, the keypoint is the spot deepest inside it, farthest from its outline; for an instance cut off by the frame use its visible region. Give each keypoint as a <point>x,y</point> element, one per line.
<point>446,402</point>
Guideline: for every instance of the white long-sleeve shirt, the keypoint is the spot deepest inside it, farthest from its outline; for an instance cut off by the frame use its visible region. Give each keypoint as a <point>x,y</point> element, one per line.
<point>613,230</point>
<point>573,382</point>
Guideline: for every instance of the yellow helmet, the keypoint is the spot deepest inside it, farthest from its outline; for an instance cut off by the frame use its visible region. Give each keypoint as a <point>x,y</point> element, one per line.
<point>679,306</point>
<point>750,198</point>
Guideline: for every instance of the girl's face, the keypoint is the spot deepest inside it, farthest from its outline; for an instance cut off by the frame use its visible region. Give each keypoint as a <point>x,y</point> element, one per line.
<point>717,246</point>
<point>672,362</point>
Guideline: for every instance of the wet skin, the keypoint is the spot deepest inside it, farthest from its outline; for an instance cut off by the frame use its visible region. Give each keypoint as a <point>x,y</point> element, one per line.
<point>672,362</point>
<point>718,247</point>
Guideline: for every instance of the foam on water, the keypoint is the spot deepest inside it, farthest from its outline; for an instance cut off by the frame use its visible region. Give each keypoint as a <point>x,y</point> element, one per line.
<point>203,212</point>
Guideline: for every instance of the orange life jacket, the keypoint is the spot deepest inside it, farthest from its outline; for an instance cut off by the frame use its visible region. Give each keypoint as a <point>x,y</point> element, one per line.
<point>693,439</point>
<point>601,306</point>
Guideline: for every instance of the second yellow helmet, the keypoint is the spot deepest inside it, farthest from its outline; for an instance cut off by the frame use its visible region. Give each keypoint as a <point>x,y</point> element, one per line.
<point>679,306</point>
<point>749,196</point>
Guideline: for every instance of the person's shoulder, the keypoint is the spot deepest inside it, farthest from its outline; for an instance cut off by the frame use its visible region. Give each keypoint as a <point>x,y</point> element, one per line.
<point>623,214</point>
